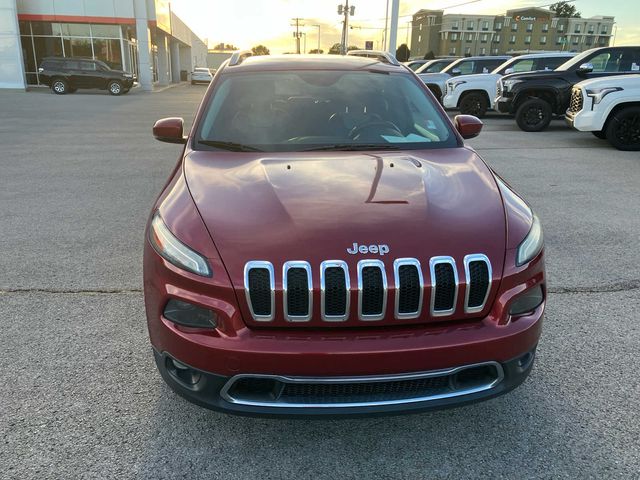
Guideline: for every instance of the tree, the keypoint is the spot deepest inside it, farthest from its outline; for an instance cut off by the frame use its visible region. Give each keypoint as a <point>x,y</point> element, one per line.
<point>565,10</point>
<point>335,49</point>
<point>315,50</point>
<point>403,53</point>
<point>429,55</point>
<point>225,46</point>
<point>353,47</point>
<point>260,50</point>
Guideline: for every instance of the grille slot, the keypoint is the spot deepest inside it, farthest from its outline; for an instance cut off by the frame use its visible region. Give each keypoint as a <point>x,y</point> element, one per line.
<point>409,288</point>
<point>372,290</point>
<point>477,270</point>
<point>259,285</point>
<point>576,102</point>
<point>444,286</point>
<point>335,290</point>
<point>297,291</point>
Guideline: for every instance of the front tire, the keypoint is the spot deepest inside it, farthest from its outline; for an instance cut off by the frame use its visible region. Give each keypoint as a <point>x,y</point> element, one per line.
<point>59,86</point>
<point>474,104</point>
<point>533,115</point>
<point>623,129</point>
<point>115,88</point>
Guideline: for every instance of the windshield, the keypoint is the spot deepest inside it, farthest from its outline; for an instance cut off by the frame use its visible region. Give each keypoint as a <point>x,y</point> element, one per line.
<point>321,110</point>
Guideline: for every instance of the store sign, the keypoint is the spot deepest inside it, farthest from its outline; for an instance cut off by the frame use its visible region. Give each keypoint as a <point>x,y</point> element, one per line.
<point>525,19</point>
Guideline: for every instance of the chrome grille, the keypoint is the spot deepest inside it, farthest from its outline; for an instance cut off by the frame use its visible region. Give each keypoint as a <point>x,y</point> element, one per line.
<point>408,289</point>
<point>575,104</point>
<point>499,88</point>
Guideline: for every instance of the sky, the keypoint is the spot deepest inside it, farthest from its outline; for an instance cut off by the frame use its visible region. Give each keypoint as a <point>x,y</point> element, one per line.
<point>246,23</point>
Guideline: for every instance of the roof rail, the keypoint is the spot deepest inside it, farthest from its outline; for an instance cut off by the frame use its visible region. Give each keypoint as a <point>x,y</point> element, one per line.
<point>381,56</point>
<point>239,56</point>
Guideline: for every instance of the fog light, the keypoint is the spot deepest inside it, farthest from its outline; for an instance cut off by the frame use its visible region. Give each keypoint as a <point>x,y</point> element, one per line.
<point>182,372</point>
<point>189,315</point>
<point>528,301</point>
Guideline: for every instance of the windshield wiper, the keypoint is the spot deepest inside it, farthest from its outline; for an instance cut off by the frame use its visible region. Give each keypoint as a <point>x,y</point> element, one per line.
<point>231,146</point>
<point>355,147</point>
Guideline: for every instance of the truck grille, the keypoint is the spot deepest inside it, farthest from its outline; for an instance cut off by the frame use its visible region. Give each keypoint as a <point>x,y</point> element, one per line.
<point>335,392</point>
<point>575,104</point>
<point>499,88</point>
<point>408,289</point>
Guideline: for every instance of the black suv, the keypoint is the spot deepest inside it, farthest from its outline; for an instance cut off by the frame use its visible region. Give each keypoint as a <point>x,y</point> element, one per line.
<point>535,97</point>
<point>66,75</point>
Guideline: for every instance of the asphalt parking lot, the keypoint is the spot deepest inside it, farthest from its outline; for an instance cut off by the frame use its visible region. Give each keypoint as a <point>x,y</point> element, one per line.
<point>80,394</point>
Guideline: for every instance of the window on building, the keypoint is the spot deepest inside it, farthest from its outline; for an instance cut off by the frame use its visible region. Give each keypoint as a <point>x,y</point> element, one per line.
<point>485,26</point>
<point>454,37</point>
<point>454,26</point>
<point>483,51</point>
<point>543,40</point>
<point>588,40</point>
<point>512,40</point>
<point>420,28</point>
<point>470,25</point>
<point>496,39</point>
<point>498,26</point>
<point>527,40</point>
<point>590,29</point>
<point>575,39</point>
<point>529,27</point>
<point>469,37</point>
<point>603,30</point>
<point>452,51</point>
<point>561,27</point>
<point>483,38</point>
<point>578,28</point>
<point>545,27</point>
<point>467,51</point>
<point>514,27</point>
<point>419,38</point>
<point>495,51</point>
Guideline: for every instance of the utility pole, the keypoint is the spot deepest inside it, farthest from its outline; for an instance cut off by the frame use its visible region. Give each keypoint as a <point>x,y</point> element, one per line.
<point>297,33</point>
<point>346,11</point>
<point>395,11</point>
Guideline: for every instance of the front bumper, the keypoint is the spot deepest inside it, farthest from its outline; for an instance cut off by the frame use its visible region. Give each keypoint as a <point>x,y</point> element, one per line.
<point>585,120</point>
<point>504,104</point>
<point>212,391</point>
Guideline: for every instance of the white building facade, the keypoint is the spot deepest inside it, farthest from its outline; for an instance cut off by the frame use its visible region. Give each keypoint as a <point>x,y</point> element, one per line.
<point>143,37</point>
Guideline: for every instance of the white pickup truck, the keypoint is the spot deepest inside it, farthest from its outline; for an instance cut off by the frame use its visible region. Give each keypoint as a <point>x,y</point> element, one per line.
<point>608,107</point>
<point>475,94</point>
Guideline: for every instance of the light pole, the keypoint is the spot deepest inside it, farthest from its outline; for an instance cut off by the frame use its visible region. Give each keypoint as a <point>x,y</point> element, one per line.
<point>386,24</point>
<point>395,11</point>
<point>346,11</point>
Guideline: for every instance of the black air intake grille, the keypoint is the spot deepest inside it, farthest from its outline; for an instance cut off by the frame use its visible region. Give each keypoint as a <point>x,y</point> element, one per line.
<point>335,297</point>
<point>372,291</point>
<point>409,290</point>
<point>478,283</point>
<point>297,292</point>
<point>445,290</point>
<point>260,291</point>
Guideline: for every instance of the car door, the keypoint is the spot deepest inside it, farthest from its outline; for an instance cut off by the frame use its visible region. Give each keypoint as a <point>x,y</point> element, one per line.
<point>90,75</point>
<point>73,72</point>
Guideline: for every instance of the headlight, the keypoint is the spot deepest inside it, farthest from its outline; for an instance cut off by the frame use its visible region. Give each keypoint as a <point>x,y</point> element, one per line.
<point>532,244</point>
<point>174,251</point>
<point>599,93</point>
<point>508,84</point>
<point>454,85</point>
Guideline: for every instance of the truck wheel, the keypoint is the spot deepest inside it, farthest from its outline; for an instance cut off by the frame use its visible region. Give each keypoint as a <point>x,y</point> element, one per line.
<point>601,134</point>
<point>115,87</point>
<point>534,115</point>
<point>623,131</point>
<point>59,86</point>
<point>474,104</point>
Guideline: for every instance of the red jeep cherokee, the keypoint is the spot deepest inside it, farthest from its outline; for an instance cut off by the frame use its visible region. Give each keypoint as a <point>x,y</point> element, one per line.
<point>327,245</point>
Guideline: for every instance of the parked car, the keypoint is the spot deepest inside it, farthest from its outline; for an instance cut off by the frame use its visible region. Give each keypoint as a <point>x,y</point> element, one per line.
<point>475,94</point>
<point>416,64</point>
<point>463,66</point>
<point>201,75</point>
<point>609,108</point>
<point>436,65</point>
<point>534,97</point>
<point>68,74</point>
<point>327,245</point>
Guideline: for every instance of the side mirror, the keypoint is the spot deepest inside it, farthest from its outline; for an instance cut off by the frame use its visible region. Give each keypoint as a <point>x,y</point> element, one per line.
<point>456,71</point>
<point>468,126</point>
<point>585,68</point>
<point>169,130</point>
<point>509,70</point>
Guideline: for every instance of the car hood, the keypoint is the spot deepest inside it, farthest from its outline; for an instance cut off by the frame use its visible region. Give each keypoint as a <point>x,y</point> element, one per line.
<point>304,206</point>
<point>623,81</point>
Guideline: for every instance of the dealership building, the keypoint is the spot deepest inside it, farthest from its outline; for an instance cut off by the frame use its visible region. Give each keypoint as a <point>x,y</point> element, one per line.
<point>519,30</point>
<point>143,37</point>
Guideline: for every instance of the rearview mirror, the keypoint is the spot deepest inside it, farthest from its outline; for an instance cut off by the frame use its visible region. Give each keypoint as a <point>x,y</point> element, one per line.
<point>509,70</point>
<point>468,126</point>
<point>169,130</point>
<point>456,71</point>
<point>585,68</point>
